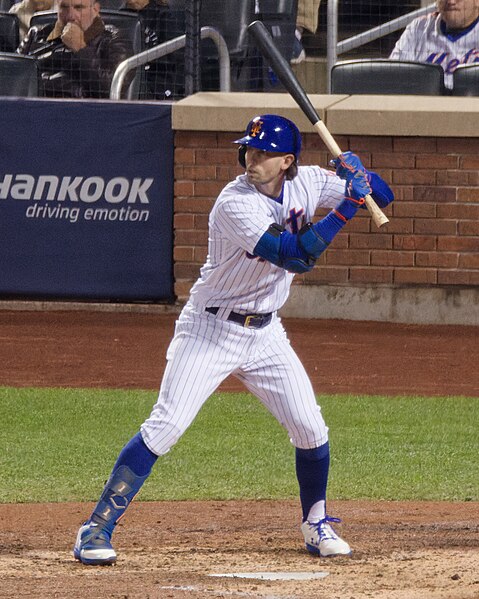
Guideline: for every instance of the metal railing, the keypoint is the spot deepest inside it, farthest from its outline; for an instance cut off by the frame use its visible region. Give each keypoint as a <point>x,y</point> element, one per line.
<point>334,48</point>
<point>168,47</point>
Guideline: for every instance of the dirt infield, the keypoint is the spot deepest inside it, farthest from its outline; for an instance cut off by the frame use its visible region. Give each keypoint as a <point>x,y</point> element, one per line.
<point>402,550</point>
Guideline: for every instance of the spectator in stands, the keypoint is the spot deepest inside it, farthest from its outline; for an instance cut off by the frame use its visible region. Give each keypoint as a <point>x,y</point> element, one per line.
<point>306,18</point>
<point>449,37</point>
<point>25,10</point>
<point>165,76</point>
<point>78,54</point>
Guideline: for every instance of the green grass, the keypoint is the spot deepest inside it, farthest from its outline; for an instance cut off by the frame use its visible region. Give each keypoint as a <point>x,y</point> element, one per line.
<point>60,444</point>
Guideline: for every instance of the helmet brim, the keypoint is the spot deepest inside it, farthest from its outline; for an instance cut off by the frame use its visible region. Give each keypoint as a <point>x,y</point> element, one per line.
<point>254,142</point>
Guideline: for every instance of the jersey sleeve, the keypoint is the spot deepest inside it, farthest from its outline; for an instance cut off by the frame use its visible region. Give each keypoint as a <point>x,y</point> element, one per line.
<point>242,219</point>
<point>329,189</point>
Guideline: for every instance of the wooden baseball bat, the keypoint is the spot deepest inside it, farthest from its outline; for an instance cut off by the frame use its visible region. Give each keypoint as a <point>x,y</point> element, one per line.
<point>285,74</point>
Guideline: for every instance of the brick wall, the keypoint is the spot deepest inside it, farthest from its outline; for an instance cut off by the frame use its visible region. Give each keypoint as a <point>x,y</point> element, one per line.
<point>432,239</point>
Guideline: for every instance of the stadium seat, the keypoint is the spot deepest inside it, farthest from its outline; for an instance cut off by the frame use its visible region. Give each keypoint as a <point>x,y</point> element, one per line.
<point>18,75</point>
<point>384,76</point>
<point>466,80</point>
<point>231,18</point>
<point>280,19</point>
<point>5,5</point>
<point>9,32</point>
<point>127,22</point>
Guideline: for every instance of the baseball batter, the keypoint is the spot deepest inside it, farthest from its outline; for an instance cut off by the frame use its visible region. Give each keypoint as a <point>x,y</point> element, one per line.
<point>448,37</point>
<point>260,235</point>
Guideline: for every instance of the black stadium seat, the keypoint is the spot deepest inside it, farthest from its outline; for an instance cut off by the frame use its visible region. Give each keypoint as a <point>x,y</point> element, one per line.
<point>9,32</point>
<point>466,80</point>
<point>5,5</point>
<point>384,76</point>
<point>231,18</point>
<point>18,75</point>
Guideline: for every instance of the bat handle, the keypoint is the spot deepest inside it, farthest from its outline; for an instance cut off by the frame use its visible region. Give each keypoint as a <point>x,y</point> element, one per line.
<point>375,211</point>
<point>377,214</point>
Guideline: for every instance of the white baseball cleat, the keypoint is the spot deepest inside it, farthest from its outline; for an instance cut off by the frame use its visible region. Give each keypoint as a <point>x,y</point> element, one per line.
<point>320,538</point>
<point>93,546</point>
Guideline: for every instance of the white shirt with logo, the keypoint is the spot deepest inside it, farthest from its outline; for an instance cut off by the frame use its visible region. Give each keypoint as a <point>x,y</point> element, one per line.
<point>426,40</point>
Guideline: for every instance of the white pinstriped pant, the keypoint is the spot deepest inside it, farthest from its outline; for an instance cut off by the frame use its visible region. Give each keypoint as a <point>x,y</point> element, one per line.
<point>204,351</point>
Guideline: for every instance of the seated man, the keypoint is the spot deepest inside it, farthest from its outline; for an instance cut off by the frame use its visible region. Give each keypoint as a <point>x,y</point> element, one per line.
<point>448,37</point>
<point>78,54</point>
<point>306,19</point>
<point>25,9</point>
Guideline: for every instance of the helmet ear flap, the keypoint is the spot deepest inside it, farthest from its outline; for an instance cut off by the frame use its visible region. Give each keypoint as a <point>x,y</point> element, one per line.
<point>242,156</point>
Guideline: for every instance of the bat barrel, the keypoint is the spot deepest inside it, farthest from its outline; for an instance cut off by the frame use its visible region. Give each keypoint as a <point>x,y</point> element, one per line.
<point>282,69</point>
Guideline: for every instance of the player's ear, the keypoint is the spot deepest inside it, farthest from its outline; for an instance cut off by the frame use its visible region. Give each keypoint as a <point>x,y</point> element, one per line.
<point>288,160</point>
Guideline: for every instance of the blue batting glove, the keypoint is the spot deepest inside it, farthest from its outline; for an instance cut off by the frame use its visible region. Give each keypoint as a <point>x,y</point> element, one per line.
<point>349,167</point>
<point>347,162</point>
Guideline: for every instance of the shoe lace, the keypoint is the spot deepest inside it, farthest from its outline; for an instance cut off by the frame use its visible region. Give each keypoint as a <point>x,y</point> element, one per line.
<point>325,532</point>
<point>330,519</point>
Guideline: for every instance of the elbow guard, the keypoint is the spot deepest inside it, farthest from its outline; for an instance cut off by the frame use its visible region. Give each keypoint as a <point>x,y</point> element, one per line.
<point>311,241</point>
<point>284,249</point>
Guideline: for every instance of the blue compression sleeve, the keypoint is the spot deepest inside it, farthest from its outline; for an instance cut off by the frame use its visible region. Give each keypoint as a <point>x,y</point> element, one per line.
<point>382,194</point>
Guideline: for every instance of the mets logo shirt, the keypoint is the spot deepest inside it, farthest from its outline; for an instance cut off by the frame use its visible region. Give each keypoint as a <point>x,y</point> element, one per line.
<point>426,40</point>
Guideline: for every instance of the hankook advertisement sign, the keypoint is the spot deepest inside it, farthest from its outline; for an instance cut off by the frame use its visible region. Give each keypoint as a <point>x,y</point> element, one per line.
<point>86,200</point>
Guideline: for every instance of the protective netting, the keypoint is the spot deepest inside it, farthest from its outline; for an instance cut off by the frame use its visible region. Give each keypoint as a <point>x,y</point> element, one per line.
<point>78,44</point>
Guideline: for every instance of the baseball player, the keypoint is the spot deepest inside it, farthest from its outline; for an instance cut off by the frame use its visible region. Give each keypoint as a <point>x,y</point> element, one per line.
<point>448,37</point>
<point>260,235</point>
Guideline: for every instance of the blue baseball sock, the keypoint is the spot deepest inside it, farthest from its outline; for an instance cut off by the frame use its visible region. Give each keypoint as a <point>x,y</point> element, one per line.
<point>312,468</point>
<point>136,456</point>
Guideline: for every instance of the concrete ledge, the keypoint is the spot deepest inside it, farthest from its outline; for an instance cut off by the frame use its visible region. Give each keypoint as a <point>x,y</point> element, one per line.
<point>385,304</point>
<point>403,116</point>
<point>219,111</point>
<point>409,306</point>
<point>52,306</point>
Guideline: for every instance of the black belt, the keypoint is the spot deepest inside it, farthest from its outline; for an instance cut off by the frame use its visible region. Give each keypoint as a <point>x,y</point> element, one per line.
<point>252,321</point>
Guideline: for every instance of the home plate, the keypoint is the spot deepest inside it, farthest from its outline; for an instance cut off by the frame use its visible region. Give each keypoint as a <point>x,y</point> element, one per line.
<point>275,575</point>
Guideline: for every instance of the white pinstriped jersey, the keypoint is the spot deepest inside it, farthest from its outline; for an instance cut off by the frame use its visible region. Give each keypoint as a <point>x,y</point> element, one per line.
<point>426,40</point>
<point>232,277</point>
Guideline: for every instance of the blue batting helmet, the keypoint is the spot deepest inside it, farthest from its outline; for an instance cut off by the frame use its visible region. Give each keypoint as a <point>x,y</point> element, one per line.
<point>272,133</point>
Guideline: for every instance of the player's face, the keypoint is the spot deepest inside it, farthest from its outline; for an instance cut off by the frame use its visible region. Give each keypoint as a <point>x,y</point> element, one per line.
<point>265,170</point>
<point>458,14</point>
<point>80,12</point>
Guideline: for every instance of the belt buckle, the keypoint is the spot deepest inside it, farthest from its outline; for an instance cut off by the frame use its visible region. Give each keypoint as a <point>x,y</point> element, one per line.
<point>248,319</point>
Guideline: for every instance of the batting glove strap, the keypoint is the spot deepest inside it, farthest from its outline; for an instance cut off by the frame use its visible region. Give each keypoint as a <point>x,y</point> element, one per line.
<point>346,209</point>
